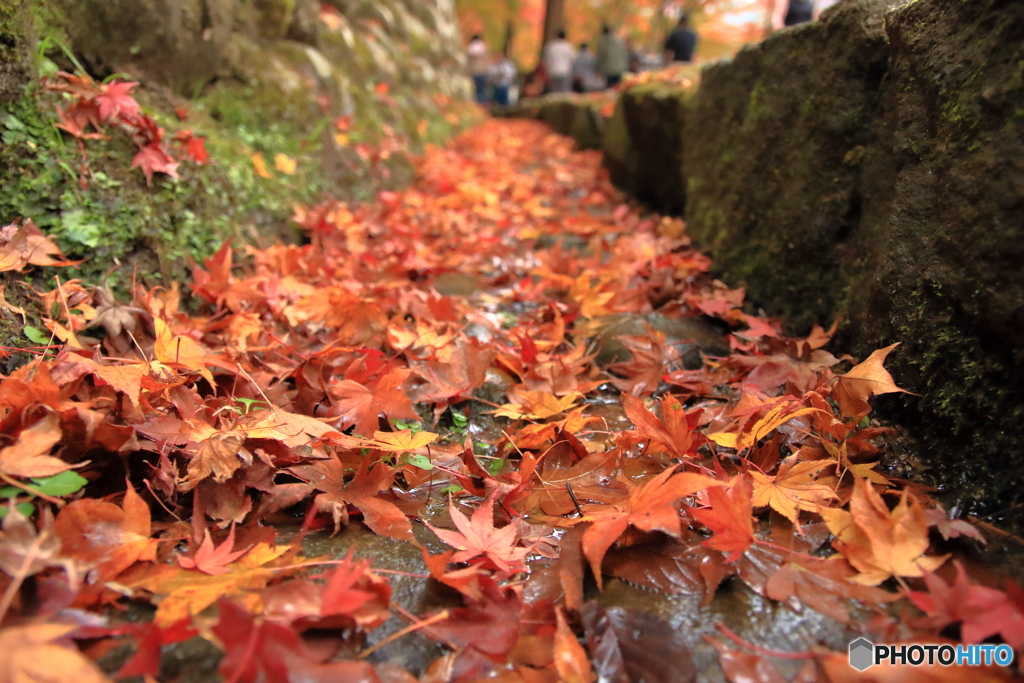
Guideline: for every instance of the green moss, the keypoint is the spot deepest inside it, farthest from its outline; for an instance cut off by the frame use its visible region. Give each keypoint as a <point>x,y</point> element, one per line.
<point>756,107</point>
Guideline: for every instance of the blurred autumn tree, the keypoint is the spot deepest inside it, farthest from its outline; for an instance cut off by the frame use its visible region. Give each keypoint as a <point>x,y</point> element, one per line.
<point>724,25</point>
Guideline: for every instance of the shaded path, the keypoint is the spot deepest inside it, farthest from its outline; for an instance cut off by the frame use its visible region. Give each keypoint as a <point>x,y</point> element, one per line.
<point>504,343</point>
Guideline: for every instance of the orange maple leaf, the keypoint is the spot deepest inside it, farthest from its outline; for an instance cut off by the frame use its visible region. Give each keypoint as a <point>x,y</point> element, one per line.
<point>729,517</point>
<point>793,488</point>
<point>673,431</point>
<point>29,455</point>
<point>868,379</point>
<point>360,406</point>
<point>110,537</point>
<point>650,507</point>
<point>880,543</point>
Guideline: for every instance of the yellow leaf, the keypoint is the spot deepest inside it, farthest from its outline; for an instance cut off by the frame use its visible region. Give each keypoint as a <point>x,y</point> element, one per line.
<point>770,422</point>
<point>538,405</point>
<point>793,489</point>
<point>400,442</point>
<point>188,592</point>
<point>723,439</point>
<point>342,139</point>
<point>285,164</point>
<point>260,165</point>
<point>179,350</point>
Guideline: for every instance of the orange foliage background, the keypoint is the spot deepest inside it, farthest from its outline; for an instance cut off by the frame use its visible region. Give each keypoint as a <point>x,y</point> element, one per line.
<point>724,25</point>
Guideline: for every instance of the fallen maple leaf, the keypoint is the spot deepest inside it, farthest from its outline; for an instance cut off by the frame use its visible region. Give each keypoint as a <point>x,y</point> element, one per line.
<point>359,406</point>
<point>878,542</point>
<point>868,379</point>
<point>363,492</point>
<point>210,560</point>
<point>537,405</point>
<point>187,592</point>
<point>153,158</point>
<point>571,661</point>
<point>259,651</point>
<point>259,165</point>
<point>651,358</point>
<point>23,245</point>
<point>44,652</point>
<point>793,488</point>
<point>673,431</point>
<point>25,550</point>
<point>651,507</point>
<point>285,164</point>
<point>218,456</point>
<point>109,537</point>
<point>729,517</point>
<point>630,645</point>
<point>776,417</point>
<point>478,538</point>
<point>115,101</point>
<point>29,455</point>
<point>403,441</point>
<point>822,585</point>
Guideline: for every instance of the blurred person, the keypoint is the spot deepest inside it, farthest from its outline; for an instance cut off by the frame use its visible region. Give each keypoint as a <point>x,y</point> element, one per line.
<point>479,67</point>
<point>680,44</point>
<point>636,57</point>
<point>799,12</point>
<point>534,83</point>
<point>612,57</point>
<point>584,70</point>
<point>501,77</point>
<point>558,58</point>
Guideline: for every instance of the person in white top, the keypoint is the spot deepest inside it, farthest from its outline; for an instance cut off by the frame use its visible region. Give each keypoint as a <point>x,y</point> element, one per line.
<point>479,67</point>
<point>558,58</point>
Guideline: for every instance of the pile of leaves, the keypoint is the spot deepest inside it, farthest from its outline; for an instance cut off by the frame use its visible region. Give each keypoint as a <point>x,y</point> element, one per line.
<point>98,106</point>
<point>150,450</point>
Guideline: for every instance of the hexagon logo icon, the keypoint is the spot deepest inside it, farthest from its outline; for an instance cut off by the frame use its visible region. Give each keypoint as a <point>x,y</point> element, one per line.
<point>862,654</point>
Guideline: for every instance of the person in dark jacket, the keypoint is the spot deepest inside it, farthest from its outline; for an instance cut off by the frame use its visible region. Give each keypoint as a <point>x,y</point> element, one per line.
<point>681,42</point>
<point>799,12</point>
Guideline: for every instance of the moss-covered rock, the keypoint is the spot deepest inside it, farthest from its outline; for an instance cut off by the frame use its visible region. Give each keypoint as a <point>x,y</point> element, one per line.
<point>620,154</point>
<point>772,158</point>
<point>573,115</point>
<point>655,116</point>
<point>221,69</point>
<point>17,37</point>
<point>936,257</point>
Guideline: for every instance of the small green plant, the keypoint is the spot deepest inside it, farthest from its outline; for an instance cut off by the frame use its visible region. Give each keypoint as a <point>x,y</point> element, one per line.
<point>63,484</point>
<point>248,404</point>
<point>413,426</point>
<point>420,461</point>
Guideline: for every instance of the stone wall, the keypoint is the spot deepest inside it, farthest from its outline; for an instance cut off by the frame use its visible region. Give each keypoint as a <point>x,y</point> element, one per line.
<point>869,166</point>
<point>774,148</point>
<point>936,257</point>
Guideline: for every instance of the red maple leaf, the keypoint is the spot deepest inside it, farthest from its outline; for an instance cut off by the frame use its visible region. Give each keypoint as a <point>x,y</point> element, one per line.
<point>479,538</point>
<point>154,159</point>
<point>194,146</point>
<point>210,560</point>
<point>115,102</point>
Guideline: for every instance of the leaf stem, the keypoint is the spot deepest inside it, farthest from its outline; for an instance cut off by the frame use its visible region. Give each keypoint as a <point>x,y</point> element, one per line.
<point>35,492</point>
<point>440,616</point>
<point>763,651</point>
